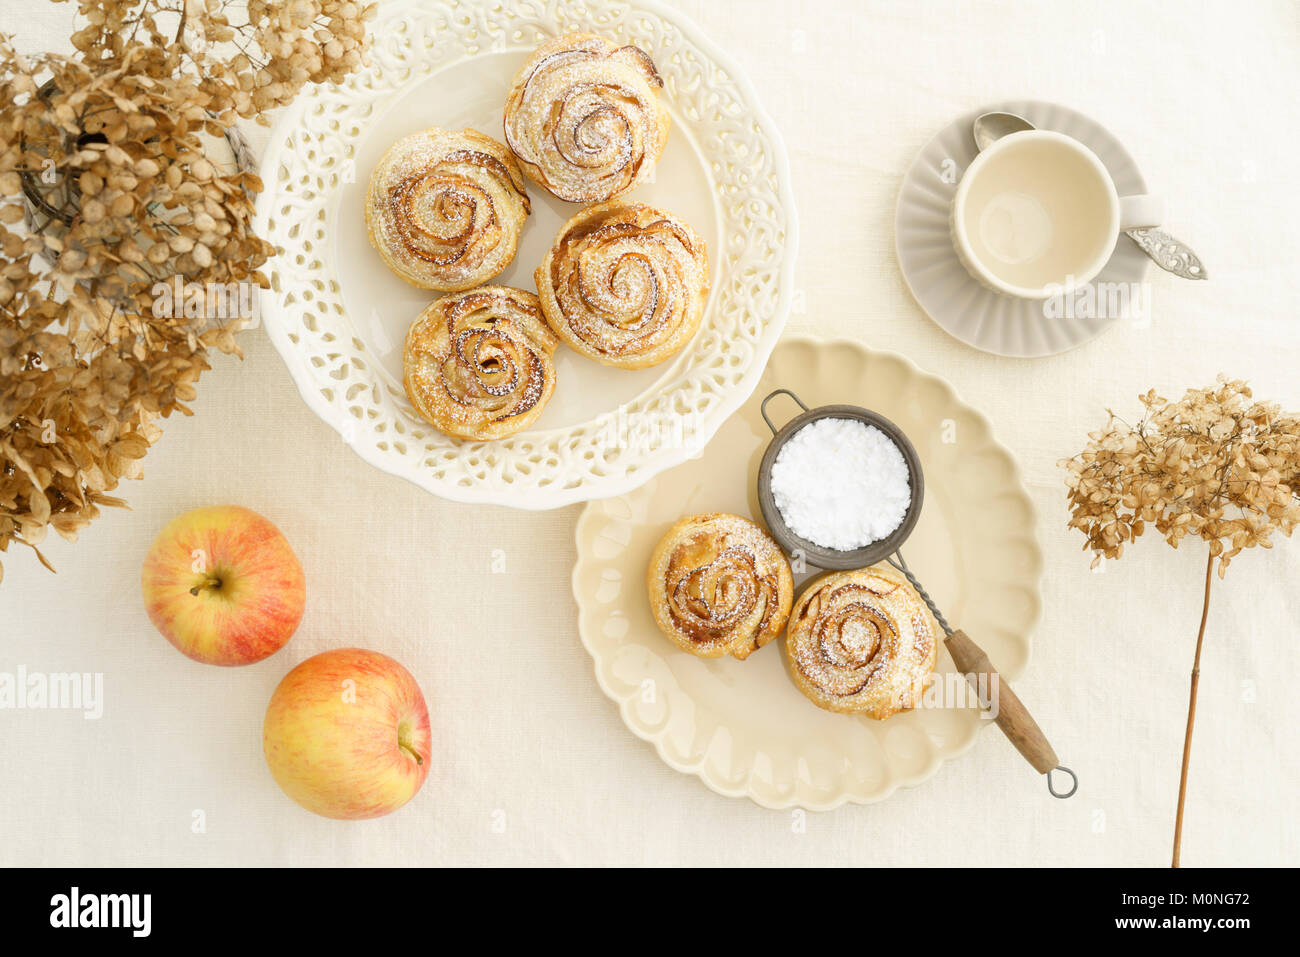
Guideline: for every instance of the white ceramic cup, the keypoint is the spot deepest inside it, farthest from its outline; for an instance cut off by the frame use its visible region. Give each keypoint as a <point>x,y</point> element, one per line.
<point>1036,214</point>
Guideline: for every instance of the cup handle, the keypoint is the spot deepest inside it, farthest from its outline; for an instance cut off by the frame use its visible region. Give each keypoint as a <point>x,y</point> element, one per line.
<point>1137,212</point>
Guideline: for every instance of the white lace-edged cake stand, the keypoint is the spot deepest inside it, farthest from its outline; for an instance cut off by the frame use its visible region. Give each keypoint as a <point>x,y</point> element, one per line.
<point>940,284</point>
<point>339,317</point>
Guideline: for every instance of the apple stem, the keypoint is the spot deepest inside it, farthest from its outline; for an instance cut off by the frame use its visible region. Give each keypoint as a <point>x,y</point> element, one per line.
<point>405,745</point>
<point>205,585</point>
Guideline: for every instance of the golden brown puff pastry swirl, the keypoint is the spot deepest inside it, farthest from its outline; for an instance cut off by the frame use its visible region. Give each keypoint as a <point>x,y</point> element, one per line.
<point>584,117</point>
<point>477,364</point>
<point>445,208</point>
<point>862,642</point>
<point>625,284</point>
<point>719,585</point>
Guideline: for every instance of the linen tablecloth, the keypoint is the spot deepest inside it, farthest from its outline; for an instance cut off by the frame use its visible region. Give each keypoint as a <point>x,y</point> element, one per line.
<point>532,764</point>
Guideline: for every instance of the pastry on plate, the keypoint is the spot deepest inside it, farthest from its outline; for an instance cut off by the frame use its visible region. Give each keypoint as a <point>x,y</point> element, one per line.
<point>719,585</point>
<point>862,642</point>
<point>585,119</point>
<point>477,364</point>
<point>625,284</point>
<point>445,208</point>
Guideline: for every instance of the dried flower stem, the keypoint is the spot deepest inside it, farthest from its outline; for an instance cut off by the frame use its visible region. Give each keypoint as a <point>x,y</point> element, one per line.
<point>1216,465</point>
<point>1191,709</point>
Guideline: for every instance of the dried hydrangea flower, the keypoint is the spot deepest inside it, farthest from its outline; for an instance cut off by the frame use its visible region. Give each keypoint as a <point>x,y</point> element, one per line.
<point>106,191</point>
<point>1215,465</point>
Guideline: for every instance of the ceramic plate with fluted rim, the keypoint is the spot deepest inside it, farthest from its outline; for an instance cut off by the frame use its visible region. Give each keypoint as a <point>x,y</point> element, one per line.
<point>338,316</point>
<point>742,726</point>
<point>976,315</point>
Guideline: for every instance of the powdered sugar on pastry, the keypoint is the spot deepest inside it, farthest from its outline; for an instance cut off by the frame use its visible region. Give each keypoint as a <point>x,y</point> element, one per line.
<point>444,209</point>
<point>584,117</point>
<point>862,642</point>
<point>719,585</point>
<point>477,364</point>
<point>625,284</point>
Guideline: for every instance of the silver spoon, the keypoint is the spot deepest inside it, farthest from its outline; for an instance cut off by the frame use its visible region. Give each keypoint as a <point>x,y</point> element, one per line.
<point>1170,254</point>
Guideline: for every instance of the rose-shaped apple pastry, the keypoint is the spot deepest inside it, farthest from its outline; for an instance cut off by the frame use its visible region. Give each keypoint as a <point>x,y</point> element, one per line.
<point>445,208</point>
<point>584,117</point>
<point>625,284</point>
<point>862,642</point>
<point>719,585</point>
<point>477,364</point>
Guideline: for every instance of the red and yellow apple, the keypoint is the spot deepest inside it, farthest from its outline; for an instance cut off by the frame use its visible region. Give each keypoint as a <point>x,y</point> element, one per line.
<point>347,734</point>
<point>223,585</point>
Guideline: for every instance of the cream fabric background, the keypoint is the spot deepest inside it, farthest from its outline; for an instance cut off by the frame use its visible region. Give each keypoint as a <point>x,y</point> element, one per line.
<point>1203,94</point>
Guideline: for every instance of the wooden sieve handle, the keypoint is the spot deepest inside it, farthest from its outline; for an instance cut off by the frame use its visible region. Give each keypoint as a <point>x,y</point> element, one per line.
<point>1013,717</point>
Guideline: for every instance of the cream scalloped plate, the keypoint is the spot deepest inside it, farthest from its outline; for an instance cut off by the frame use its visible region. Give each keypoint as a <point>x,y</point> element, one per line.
<point>339,317</point>
<point>743,727</point>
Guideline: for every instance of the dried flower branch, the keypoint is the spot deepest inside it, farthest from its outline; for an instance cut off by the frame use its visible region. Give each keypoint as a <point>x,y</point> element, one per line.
<point>108,189</point>
<point>1216,465</point>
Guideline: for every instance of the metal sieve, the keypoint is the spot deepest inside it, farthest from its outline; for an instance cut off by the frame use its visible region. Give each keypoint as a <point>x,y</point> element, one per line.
<point>1012,717</point>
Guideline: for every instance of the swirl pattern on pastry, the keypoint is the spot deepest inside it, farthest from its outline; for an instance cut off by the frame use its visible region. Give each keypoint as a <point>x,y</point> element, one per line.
<point>477,364</point>
<point>625,284</point>
<point>719,585</point>
<point>584,117</point>
<point>862,642</point>
<point>444,209</point>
